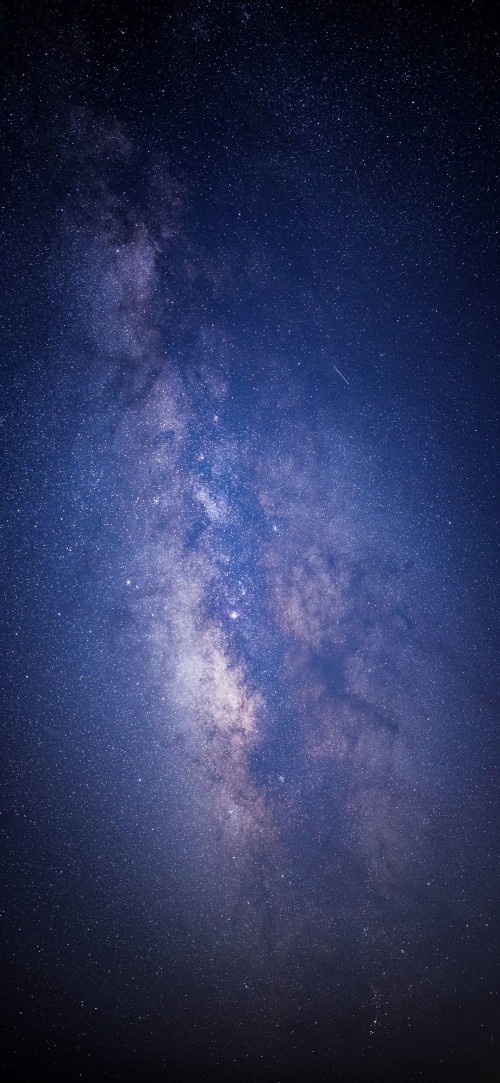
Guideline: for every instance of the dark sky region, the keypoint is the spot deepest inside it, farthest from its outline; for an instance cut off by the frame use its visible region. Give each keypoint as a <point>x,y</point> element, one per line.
<point>249,505</point>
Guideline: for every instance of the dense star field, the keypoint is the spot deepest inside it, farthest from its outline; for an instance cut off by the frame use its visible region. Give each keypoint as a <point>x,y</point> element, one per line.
<point>250,504</point>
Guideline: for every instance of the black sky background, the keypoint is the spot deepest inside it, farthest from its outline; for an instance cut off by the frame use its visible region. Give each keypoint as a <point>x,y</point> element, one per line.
<point>250,513</point>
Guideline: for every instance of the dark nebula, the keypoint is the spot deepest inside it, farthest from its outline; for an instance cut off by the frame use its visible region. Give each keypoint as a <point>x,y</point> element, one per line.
<point>250,579</point>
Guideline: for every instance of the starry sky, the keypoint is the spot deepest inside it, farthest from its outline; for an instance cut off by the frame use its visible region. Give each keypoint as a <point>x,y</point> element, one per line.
<point>250,506</point>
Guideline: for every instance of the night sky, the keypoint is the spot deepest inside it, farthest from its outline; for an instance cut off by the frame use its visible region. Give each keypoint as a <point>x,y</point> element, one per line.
<point>249,569</point>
